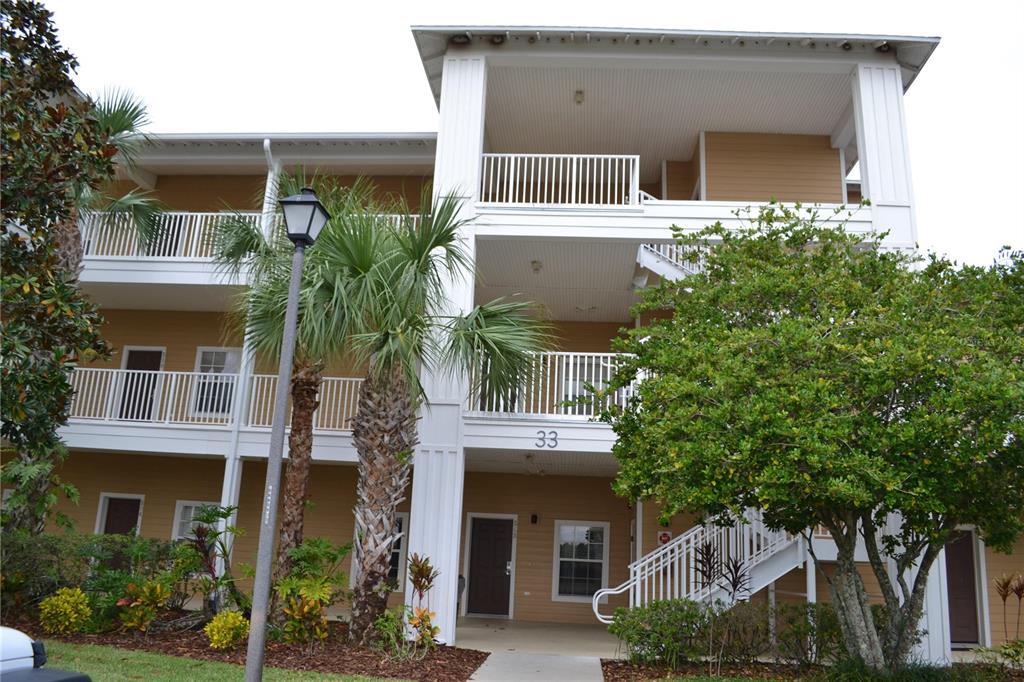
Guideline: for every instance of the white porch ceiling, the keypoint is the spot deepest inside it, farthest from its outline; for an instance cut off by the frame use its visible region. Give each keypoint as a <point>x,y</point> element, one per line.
<point>577,281</point>
<point>206,297</point>
<point>656,113</point>
<point>542,463</point>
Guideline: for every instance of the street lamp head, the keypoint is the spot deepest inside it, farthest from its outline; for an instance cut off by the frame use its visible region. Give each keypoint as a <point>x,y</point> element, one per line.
<point>304,216</point>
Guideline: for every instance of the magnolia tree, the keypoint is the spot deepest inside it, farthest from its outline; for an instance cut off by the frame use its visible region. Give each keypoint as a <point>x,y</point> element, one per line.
<point>810,374</point>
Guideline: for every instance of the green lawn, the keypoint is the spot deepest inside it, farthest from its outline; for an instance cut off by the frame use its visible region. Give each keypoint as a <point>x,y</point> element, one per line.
<point>107,664</point>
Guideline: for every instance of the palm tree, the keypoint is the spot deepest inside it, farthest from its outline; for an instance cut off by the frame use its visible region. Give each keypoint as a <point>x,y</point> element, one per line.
<point>239,246</point>
<point>121,117</point>
<point>389,278</point>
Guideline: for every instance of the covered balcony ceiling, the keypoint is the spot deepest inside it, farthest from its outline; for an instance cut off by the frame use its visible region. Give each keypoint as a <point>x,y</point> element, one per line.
<point>657,113</point>
<point>570,280</point>
<point>141,296</point>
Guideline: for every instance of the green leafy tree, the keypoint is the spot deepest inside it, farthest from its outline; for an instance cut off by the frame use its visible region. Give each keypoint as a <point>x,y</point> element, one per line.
<point>52,148</point>
<point>813,375</point>
<point>59,149</point>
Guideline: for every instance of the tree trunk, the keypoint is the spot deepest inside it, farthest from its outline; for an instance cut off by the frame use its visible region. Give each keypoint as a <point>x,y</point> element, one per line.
<point>384,436</point>
<point>68,238</point>
<point>305,391</point>
<point>852,609</point>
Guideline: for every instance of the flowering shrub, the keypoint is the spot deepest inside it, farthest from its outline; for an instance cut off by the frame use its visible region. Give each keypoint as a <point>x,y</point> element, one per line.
<point>226,630</point>
<point>65,612</point>
<point>141,604</point>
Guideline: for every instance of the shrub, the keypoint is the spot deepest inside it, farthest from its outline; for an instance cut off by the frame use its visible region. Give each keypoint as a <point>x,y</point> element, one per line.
<point>850,670</point>
<point>305,621</point>
<point>663,631</point>
<point>227,629</point>
<point>745,634</point>
<point>314,583</point>
<point>141,604</point>
<point>807,634</point>
<point>391,634</point>
<point>65,612</point>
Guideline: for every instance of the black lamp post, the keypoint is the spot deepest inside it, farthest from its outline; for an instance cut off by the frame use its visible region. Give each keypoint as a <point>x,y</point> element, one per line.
<point>304,218</point>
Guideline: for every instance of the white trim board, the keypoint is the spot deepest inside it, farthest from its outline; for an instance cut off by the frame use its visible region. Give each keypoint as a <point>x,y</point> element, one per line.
<point>555,560</point>
<point>101,509</point>
<point>467,545</point>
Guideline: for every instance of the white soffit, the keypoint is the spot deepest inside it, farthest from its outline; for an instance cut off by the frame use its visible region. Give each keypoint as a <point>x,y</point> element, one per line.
<point>434,42</point>
<point>542,463</point>
<point>656,113</point>
<point>585,282</point>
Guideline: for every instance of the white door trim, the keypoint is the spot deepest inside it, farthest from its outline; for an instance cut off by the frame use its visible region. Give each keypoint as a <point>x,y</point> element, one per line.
<point>464,610</point>
<point>125,350</point>
<point>101,509</point>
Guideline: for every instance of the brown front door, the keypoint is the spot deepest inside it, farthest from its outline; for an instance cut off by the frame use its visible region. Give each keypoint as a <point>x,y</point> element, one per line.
<point>961,586</point>
<point>490,566</point>
<point>139,385</point>
<point>122,515</point>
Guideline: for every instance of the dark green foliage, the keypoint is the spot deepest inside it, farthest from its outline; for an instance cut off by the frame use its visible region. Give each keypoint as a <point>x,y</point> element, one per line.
<point>745,635</point>
<point>849,670</point>
<point>52,148</point>
<point>668,632</point>
<point>810,374</point>
<point>807,634</point>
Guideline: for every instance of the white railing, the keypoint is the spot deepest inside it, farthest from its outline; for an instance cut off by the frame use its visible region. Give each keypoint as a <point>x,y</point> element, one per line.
<point>555,385</point>
<point>126,395</point>
<point>179,235</point>
<point>688,260</point>
<point>339,398</point>
<point>691,565</point>
<point>560,180</point>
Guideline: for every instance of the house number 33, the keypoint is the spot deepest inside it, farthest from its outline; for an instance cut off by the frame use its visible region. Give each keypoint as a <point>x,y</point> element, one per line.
<point>546,439</point>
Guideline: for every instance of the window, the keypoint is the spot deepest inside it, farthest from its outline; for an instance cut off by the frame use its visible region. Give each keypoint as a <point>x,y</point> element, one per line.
<point>581,557</point>
<point>214,393</point>
<point>396,570</point>
<point>184,513</point>
<point>396,564</point>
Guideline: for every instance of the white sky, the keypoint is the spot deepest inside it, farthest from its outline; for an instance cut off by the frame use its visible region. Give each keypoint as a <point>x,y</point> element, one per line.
<point>309,66</point>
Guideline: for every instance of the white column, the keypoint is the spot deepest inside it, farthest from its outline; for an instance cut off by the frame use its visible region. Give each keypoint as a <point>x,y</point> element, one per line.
<point>934,646</point>
<point>883,152</point>
<point>439,462</point>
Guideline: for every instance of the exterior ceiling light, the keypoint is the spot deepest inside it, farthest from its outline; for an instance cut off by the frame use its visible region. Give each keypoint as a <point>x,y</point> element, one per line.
<point>536,265</point>
<point>578,97</point>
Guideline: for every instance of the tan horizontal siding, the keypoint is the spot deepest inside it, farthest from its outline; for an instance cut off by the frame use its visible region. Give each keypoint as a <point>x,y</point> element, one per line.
<point>585,337</point>
<point>551,498</point>
<point>680,178</point>
<point>997,564</point>
<point>163,480</point>
<point>759,167</point>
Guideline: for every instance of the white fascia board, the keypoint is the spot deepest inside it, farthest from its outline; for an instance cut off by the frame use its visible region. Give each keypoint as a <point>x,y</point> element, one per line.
<point>506,432</point>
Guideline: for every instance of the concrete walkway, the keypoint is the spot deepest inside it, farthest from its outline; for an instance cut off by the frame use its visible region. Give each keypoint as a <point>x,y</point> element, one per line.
<point>521,666</point>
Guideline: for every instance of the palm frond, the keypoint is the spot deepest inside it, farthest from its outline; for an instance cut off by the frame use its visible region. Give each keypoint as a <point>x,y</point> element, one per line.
<point>139,210</point>
<point>121,116</point>
<point>502,336</point>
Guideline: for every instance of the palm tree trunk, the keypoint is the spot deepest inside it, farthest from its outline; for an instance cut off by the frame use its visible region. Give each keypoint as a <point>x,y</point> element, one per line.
<point>305,392</point>
<point>384,436</point>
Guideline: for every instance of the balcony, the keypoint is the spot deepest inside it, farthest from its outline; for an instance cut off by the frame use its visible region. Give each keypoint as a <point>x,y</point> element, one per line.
<point>593,196</point>
<point>551,409</point>
<point>196,413</point>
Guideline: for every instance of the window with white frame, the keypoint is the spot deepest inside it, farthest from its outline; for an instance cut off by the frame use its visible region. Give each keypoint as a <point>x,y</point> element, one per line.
<point>581,557</point>
<point>215,387</point>
<point>184,517</point>
<point>396,566</point>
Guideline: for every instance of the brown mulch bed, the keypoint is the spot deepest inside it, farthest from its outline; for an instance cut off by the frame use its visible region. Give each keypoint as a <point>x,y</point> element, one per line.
<point>624,671</point>
<point>444,664</point>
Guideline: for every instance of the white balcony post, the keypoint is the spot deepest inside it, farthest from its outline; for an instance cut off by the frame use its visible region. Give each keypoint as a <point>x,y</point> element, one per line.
<point>883,151</point>
<point>439,461</point>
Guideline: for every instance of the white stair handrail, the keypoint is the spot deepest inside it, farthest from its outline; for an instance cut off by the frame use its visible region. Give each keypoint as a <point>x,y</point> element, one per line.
<point>671,570</point>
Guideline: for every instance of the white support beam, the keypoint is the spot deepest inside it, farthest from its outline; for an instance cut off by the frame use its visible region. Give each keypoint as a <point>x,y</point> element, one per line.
<point>439,462</point>
<point>845,133</point>
<point>883,152</point>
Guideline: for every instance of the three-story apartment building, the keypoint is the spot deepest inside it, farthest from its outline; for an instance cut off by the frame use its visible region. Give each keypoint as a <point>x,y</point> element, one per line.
<point>575,151</point>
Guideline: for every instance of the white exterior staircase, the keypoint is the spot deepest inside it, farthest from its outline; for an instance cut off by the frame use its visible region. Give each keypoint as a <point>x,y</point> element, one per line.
<point>672,570</point>
<point>668,261</point>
